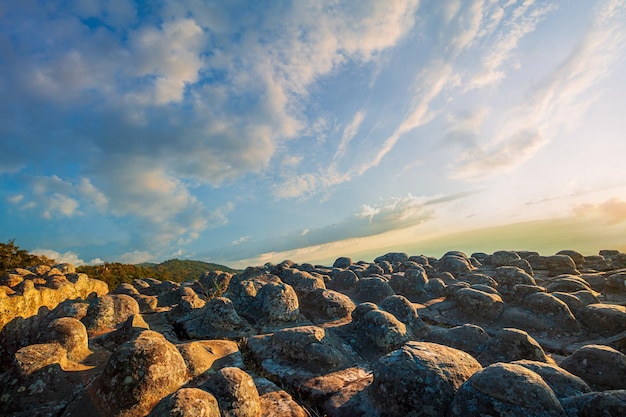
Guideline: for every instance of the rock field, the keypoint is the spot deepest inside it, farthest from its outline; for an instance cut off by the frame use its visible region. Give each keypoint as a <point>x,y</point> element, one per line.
<point>511,333</point>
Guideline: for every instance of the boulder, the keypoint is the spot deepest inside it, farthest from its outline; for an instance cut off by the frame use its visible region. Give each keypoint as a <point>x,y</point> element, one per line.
<point>577,257</point>
<point>392,257</point>
<point>505,389</point>
<point>508,277</point>
<point>137,376</point>
<point>324,305</point>
<point>563,383</point>
<point>276,303</point>
<point>308,347</point>
<point>71,334</point>
<point>214,283</point>
<point>342,262</point>
<point>568,283</point>
<point>466,337</point>
<point>404,311</point>
<point>509,345</point>
<point>109,311</point>
<point>602,367</point>
<point>343,280</point>
<point>411,283</point>
<point>455,264</point>
<point>236,393</point>
<point>479,304</point>
<point>382,329</point>
<point>605,319</point>
<point>561,264</point>
<point>419,379</point>
<point>504,258</point>
<point>607,403</point>
<point>550,307</point>
<point>187,402</point>
<point>616,283</point>
<point>373,289</point>
<point>200,356</point>
<point>216,320</point>
<point>302,281</point>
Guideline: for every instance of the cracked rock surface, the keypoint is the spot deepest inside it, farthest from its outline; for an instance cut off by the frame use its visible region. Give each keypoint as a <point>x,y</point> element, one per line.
<point>513,333</point>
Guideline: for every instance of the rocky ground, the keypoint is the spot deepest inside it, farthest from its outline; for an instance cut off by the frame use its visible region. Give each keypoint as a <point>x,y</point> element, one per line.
<point>506,334</point>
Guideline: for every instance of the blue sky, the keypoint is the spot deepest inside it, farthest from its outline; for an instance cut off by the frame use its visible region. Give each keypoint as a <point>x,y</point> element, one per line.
<point>245,132</point>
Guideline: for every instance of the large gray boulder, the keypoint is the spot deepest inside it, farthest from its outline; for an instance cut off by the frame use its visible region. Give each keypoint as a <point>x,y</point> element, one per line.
<point>506,390</point>
<point>420,379</point>
<point>236,393</point>
<point>602,367</point>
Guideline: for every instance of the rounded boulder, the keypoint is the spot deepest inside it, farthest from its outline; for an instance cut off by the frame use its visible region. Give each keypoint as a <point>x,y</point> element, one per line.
<point>420,379</point>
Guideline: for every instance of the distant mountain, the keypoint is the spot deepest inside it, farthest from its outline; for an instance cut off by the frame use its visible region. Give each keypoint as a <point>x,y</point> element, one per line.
<point>172,270</point>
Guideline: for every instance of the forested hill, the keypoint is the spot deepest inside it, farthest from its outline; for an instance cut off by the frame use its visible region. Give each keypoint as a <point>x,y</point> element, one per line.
<point>173,270</point>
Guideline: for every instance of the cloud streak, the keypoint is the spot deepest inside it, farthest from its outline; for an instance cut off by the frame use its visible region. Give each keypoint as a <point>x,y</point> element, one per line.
<point>557,103</point>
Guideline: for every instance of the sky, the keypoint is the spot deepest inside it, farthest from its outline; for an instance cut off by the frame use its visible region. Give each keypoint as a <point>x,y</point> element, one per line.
<point>246,132</point>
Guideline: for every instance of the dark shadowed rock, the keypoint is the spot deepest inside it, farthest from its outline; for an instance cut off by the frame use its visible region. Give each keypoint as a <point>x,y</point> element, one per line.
<point>217,319</point>
<point>504,258</point>
<point>411,283</point>
<point>109,311</point>
<point>308,347</point>
<point>563,383</point>
<point>509,345</point>
<point>323,304</point>
<point>342,262</point>
<point>392,257</point>
<point>508,277</point>
<point>505,389</point>
<point>420,379</point>
<point>343,280</point>
<point>382,329</point>
<point>455,264</point>
<point>276,303</point>
<point>467,337</point>
<point>214,283</point>
<point>598,263</point>
<point>404,311</point>
<point>606,319</point>
<point>568,283</point>
<point>236,393</point>
<point>477,278</point>
<point>616,283</point>
<point>550,307</point>
<point>479,304</point>
<point>602,367</point>
<point>577,257</point>
<point>187,402</point>
<point>373,289</point>
<point>560,264</point>
<point>594,404</point>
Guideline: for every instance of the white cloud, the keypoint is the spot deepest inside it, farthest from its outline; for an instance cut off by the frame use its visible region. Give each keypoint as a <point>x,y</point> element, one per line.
<point>507,34</point>
<point>65,257</point>
<point>135,257</point>
<point>170,56</point>
<point>15,199</point>
<point>556,105</point>
<point>349,133</point>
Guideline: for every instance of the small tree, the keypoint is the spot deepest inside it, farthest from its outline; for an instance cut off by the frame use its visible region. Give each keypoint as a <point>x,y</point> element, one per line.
<point>11,257</point>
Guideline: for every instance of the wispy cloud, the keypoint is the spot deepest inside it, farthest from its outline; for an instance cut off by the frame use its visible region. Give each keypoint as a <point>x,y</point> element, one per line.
<point>556,104</point>
<point>368,220</point>
<point>610,212</point>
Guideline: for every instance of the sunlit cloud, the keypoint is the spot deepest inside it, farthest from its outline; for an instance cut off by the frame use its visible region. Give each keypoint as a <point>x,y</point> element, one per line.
<point>556,104</point>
